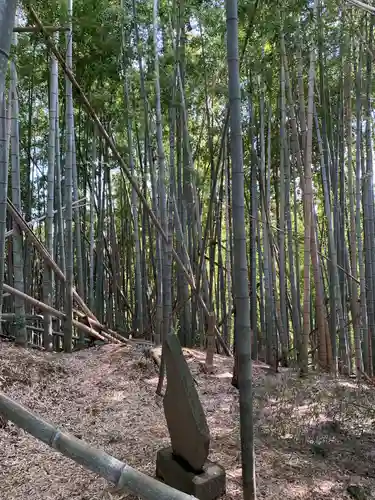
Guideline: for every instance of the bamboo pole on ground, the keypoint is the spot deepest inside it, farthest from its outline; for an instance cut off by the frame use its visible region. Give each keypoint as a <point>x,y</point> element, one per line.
<point>114,471</point>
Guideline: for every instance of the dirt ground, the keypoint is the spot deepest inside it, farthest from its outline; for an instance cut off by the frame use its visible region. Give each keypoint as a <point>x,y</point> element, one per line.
<point>314,438</point>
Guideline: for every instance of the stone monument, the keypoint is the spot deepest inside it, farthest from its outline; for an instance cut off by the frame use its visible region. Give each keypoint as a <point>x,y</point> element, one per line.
<point>184,465</point>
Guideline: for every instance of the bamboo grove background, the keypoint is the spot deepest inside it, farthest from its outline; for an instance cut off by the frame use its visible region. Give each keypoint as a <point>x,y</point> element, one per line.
<point>157,77</point>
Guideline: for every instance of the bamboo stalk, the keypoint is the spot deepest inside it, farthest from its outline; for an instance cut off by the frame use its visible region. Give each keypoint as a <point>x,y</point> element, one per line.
<point>54,312</point>
<point>114,471</point>
<point>362,5</point>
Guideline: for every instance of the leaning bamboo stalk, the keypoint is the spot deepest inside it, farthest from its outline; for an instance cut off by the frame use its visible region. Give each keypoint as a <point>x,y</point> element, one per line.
<point>43,250</point>
<point>34,222</point>
<point>95,322</point>
<point>93,459</point>
<point>103,336</point>
<point>59,314</point>
<point>29,232</point>
<point>34,302</point>
<point>363,5</point>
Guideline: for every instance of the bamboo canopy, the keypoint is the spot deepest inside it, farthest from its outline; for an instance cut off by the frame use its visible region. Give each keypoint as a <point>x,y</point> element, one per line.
<point>119,473</point>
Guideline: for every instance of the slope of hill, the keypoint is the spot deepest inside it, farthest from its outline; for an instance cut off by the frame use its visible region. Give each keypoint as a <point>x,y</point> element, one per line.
<point>314,438</point>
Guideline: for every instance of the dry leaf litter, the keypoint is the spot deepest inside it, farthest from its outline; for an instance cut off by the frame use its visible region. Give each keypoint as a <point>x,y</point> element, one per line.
<point>314,437</point>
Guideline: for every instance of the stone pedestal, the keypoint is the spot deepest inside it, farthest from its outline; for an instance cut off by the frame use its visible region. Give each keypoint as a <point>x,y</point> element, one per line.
<point>207,485</point>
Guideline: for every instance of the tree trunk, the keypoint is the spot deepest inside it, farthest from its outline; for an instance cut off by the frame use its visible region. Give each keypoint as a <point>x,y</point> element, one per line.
<point>7,20</point>
<point>240,272</point>
<point>19,305</point>
<point>68,305</point>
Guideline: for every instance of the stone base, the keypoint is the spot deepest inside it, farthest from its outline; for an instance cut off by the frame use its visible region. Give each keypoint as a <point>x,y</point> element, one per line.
<point>207,485</point>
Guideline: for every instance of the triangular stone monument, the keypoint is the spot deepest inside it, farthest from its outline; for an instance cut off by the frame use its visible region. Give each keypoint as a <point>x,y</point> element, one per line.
<point>185,465</point>
<point>187,424</point>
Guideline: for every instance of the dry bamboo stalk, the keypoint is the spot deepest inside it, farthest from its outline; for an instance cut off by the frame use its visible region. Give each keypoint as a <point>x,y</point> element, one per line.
<point>362,5</point>
<point>34,302</point>
<point>100,336</point>
<point>119,473</point>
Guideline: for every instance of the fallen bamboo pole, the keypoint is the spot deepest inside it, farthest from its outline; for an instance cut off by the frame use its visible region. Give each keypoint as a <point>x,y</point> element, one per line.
<point>100,336</point>
<point>113,470</point>
<point>124,167</point>
<point>59,314</point>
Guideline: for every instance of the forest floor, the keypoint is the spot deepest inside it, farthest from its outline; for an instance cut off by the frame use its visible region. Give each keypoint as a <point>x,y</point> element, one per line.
<point>315,438</point>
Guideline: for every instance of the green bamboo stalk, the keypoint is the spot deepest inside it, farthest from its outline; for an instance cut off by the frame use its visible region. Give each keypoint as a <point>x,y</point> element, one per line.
<point>114,471</point>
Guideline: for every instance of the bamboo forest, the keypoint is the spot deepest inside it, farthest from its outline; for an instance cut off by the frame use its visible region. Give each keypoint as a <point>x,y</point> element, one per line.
<point>187,249</point>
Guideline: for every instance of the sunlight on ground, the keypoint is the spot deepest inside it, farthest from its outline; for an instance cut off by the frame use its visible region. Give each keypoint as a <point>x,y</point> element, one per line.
<point>297,490</point>
<point>118,396</point>
<point>326,486</point>
<point>235,474</point>
<point>222,432</point>
<point>151,381</point>
<point>201,355</point>
<point>303,410</point>
<point>349,385</point>
<point>223,375</point>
